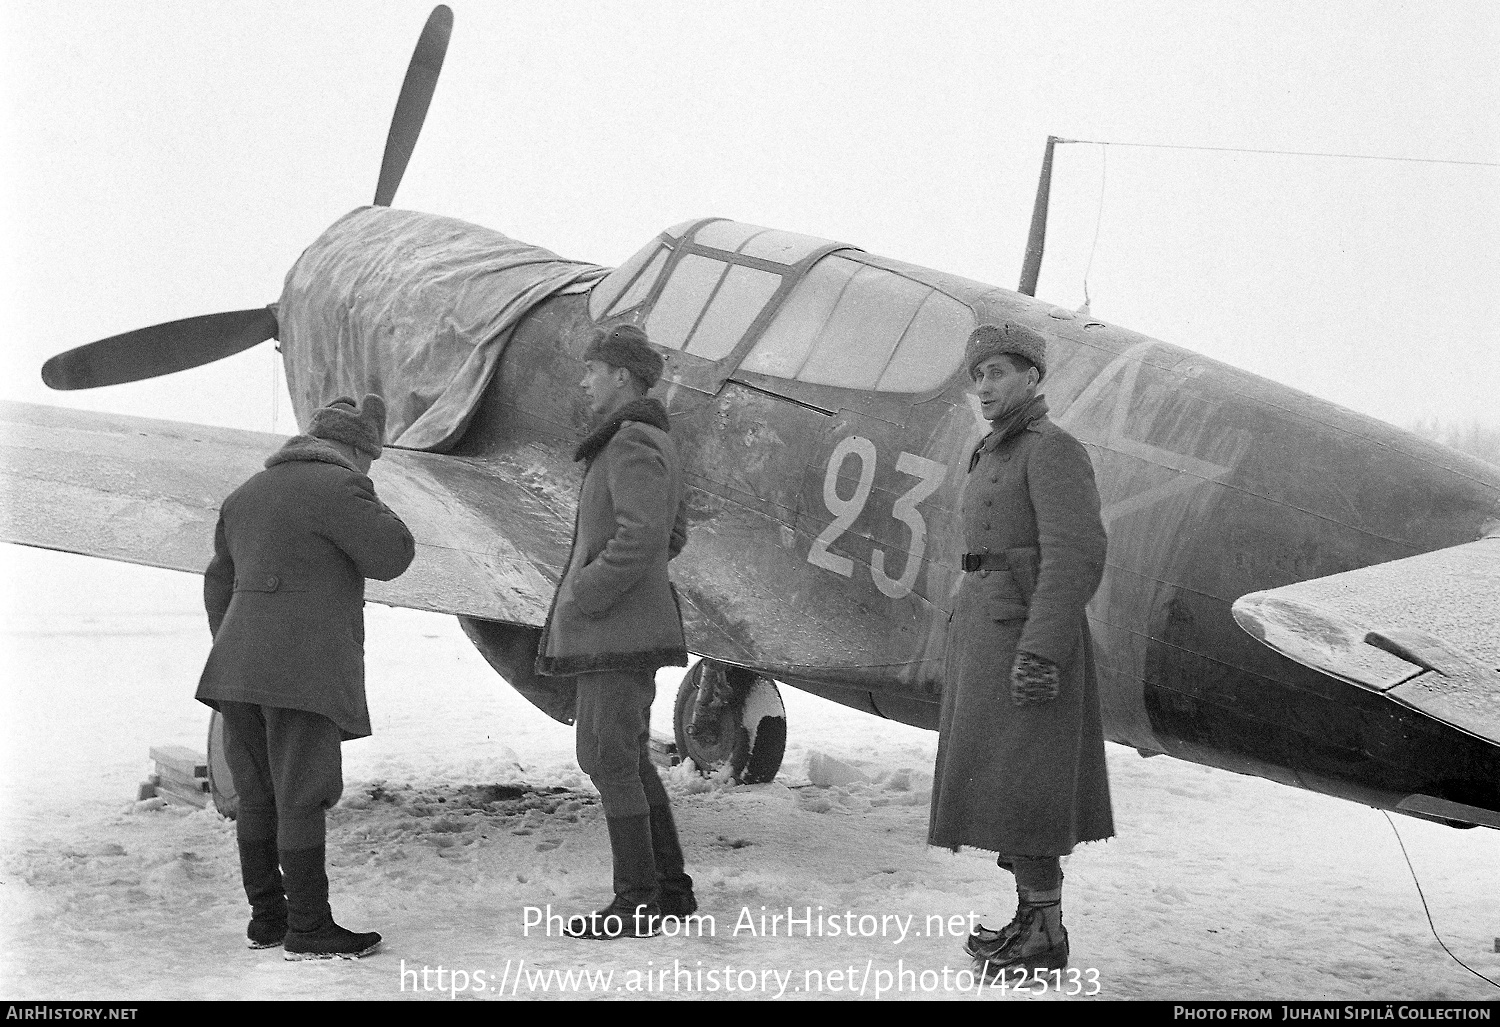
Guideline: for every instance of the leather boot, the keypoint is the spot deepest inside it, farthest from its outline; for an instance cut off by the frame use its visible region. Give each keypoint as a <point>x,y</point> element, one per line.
<point>261,875</point>
<point>676,886</point>
<point>1038,941</point>
<point>988,939</point>
<point>634,913</point>
<point>311,932</point>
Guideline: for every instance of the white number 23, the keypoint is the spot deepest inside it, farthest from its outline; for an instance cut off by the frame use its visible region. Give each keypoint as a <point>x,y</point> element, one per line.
<point>929,475</point>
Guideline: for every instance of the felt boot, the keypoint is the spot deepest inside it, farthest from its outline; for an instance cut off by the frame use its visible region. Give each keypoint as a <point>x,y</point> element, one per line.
<point>261,874</point>
<point>311,932</point>
<point>675,885</point>
<point>634,913</point>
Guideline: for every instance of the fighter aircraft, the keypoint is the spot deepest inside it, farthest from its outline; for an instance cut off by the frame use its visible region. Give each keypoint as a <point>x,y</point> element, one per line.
<point>1293,591</point>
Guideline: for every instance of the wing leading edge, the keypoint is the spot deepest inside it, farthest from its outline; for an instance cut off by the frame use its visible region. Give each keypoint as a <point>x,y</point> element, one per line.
<point>148,492</point>
<point>1424,631</point>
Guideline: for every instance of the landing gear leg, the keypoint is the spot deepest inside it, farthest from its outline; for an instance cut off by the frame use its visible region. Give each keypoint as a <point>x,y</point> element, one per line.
<point>729,717</point>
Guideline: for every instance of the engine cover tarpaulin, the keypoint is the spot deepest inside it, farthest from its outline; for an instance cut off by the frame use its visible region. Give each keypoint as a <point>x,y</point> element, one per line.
<point>413,306</point>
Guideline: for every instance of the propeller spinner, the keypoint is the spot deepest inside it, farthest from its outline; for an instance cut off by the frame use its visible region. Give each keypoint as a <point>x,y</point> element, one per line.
<point>191,342</point>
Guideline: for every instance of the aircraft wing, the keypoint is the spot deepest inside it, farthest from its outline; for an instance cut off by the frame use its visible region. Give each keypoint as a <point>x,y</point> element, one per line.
<point>1424,631</point>
<point>148,492</point>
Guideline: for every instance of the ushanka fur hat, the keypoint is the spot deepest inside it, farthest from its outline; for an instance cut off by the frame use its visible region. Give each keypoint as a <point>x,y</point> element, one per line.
<point>626,346</point>
<point>992,340</point>
<point>362,427</point>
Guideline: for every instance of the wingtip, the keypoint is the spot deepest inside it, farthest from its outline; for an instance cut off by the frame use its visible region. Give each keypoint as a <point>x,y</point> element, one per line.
<point>1246,613</point>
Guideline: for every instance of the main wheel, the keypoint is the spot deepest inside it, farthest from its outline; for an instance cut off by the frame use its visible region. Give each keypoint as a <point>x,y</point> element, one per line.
<point>220,781</point>
<point>730,717</point>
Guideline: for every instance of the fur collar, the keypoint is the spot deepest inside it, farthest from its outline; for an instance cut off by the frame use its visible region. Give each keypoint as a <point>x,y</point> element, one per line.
<point>1008,426</point>
<point>309,447</point>
<point>646,410</point>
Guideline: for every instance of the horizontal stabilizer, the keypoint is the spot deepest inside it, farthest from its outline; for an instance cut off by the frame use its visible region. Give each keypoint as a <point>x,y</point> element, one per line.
<point>148,492</point>
<point>1425,631</point>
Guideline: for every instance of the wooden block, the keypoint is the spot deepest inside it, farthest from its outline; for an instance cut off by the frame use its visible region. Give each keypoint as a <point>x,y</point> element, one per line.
<point>166,773</point>
<point>181,795</point>
<point>181,759</point>
<point>662,751</point>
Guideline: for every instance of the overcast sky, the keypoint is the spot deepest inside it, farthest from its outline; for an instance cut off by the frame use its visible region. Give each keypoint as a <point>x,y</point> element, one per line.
<point>170,159</point>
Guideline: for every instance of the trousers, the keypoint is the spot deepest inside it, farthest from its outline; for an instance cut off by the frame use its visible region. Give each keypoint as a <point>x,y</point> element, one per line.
<point>613,724</point>
<point>288,769</point>
<point>1034,873</point>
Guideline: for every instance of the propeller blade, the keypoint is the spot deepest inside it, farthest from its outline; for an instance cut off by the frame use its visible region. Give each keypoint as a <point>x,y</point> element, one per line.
<point>411,107</point>
<point>160,349</point>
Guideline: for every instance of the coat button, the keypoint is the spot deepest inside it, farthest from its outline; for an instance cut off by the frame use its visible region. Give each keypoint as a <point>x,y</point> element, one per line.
<point>984,574</point>
<point>995,479</point>
<point>273,583</point>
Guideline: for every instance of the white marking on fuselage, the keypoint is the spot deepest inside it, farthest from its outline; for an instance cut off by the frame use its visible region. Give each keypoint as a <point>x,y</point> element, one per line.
<point>1192,471</point>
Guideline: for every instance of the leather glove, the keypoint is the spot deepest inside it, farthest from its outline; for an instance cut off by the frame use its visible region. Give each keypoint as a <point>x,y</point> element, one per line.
<point>1033,680</point>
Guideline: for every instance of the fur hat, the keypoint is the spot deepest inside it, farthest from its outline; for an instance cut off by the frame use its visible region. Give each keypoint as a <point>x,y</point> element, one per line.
<point>362,427</point>
<point>626,346</point>
<point>993,340</point>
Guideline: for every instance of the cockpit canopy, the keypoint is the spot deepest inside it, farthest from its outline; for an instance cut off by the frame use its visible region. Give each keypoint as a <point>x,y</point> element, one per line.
<point>790,306</point>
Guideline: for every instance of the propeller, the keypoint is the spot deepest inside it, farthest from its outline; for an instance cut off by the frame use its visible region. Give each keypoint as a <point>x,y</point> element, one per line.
<point>411,106</point>
<point>160,349</point>
<point>194,341</point>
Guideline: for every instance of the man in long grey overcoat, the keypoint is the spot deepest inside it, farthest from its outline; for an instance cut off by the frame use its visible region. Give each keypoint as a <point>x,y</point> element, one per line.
<point>1020,763</point>
<point>285,600</point>
<point>615,621</point>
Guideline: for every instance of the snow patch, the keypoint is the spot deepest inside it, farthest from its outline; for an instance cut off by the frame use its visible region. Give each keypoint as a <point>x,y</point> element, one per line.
<point>466,809</point>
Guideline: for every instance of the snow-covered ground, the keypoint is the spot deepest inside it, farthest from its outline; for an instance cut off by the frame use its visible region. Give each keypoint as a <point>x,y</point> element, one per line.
<point>1218,886</point>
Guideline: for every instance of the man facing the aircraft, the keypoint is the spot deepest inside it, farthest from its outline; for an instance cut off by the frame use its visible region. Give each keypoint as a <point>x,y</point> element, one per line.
<point>1020,762</point>
<point>615,621</point>
<point>285,601</point>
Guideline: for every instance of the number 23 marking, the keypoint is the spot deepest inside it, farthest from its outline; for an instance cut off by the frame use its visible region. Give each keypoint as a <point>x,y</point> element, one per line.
<point>929,475</point>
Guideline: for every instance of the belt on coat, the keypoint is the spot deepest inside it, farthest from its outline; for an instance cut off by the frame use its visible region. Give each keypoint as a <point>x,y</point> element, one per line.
<point>984,562</point>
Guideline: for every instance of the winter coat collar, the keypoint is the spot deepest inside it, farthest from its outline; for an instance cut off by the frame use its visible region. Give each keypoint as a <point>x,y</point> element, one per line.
<point>1009,426</point>
<point>646,410</point>
<point>309,447</point>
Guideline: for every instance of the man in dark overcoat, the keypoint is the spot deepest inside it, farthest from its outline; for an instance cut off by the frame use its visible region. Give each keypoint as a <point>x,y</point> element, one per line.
<point>1020,762</point>
<point>615,621</point>
<point>285,600</point>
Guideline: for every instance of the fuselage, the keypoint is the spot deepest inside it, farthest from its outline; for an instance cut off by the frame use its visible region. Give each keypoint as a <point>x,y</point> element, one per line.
<point>817,397</point>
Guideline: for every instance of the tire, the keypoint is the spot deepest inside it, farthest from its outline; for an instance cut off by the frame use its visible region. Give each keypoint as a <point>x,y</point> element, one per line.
<point>751,739</point>
<point>220,781</point>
